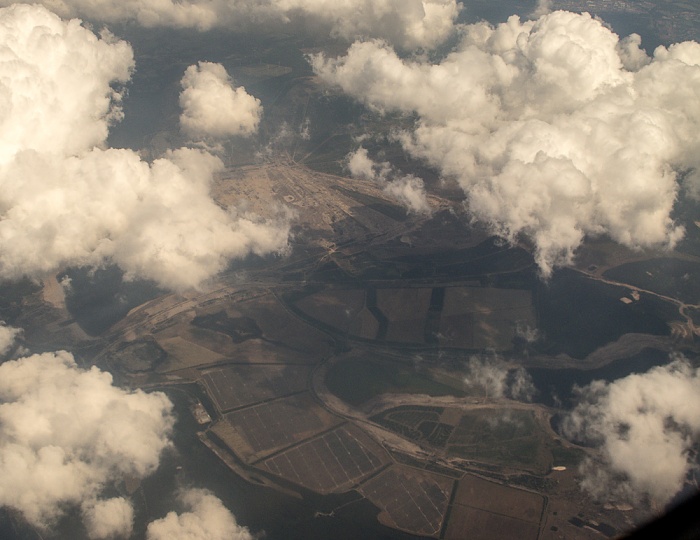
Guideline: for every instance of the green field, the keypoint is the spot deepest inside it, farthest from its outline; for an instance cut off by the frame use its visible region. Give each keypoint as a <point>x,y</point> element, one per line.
<point>566,457</point>
<point>359,380</point>
<point>510,439</point>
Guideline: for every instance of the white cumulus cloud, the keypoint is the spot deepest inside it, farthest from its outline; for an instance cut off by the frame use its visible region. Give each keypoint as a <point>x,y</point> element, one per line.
<point>555,129</point>
<point>212,107</point>
<point>56,84</point>
<point>65,199</point>
<point>408,190</point>
<point>8,334</point>
<point>205,518</point>
<point>645,425</point>
<point>360,165</point>
<point>497,379</point>
<point>66,433</point>
<point>108,518</point>
<point>542,8</point>
<point>406,23</point>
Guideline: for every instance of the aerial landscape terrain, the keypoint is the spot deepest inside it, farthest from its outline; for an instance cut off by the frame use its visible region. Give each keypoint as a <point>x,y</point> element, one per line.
<point>382,270</point>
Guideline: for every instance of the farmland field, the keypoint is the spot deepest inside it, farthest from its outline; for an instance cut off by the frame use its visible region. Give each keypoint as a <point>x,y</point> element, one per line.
<point>511,438</point>
<point>358,380</point>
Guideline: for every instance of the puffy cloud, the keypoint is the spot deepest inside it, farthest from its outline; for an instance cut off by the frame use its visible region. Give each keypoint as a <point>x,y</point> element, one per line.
<point>8,335</point>
<point>200,14</point>
<point>109,518</point>
<point>542,8</point>
<point>56,83</point>
<point>645,425</point>
<point>527,333</point>
<point>213,107</point>
<point>497,379</point>
<point>406,23</point>
<point>361,165</point>
<point>66,433</point>
<point>207,519</point>
<point>554,128</point>
<point>632,55</point>
<point>408,190</point>
<point>66,200</point>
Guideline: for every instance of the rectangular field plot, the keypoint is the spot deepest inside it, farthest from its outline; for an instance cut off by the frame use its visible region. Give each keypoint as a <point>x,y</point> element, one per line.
<point>184,354</point>
<point>279,326</point>
<point>472,524</point>
<point>479,318</point>
<point>232,387</point>
<point>458,331</point>
<point>364,325</point>
<point>410,500</point>
<point>398,304</point>
<point>334,307</point>
<point>460,300</point>
<point>333,462</point>
<point>273,426</point>
<point>406,331</point>
<point>498,499</point>
<point>510,438</point>
<point>485,510</point>
<point>406,310</point>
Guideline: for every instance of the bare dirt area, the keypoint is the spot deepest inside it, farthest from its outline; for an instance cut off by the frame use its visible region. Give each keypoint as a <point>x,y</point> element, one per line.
<point>331,463</point>
<point>485,510</point>
<point>482,494</point>
<point>334,307</point>
<point>270,427</point>
<point>182,354</point>
<point>410,500</point>
<point>406,310</point>
<point>233,387</point>
<point>325,205</point>
<point>484,525</point>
